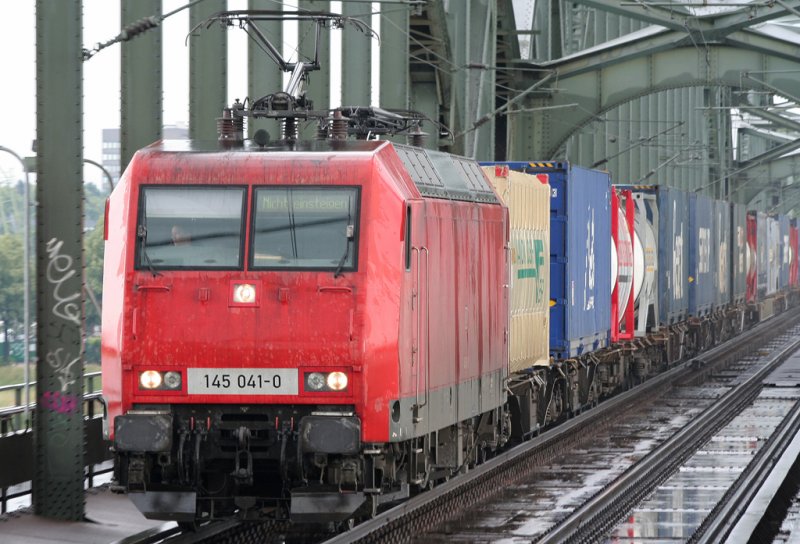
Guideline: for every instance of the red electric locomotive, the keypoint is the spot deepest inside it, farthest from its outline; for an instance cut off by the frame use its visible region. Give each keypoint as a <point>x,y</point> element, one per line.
<point>307,328</point>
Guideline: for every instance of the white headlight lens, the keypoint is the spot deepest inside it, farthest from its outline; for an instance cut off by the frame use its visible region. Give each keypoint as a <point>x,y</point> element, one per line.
<point>315,381</point>
<point>172,380</point>
<point>150,379</point>
<point>244,293</point>
<point>337,381</point>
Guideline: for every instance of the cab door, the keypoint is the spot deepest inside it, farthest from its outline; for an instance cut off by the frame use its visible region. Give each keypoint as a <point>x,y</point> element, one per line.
<point>415,349</point>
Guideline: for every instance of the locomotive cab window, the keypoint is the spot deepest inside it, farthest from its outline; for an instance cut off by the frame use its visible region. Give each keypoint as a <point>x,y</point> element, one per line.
<point>311,228</point>
<point>190,228</point>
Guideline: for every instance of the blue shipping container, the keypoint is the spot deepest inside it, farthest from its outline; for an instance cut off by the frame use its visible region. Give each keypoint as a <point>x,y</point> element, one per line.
<point>580,256</point>
<point>702,288</point>
<point>739,254</point>
<point>673,255</point>
<point>721,248</point>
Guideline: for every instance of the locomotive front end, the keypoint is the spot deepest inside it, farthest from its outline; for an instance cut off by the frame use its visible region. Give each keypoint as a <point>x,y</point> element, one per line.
<point>235,343</point>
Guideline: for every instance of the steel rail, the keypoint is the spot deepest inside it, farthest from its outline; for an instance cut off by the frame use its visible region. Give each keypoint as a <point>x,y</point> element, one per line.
<point>169,533</point>
<point>593,519</point>
<point>729,509</point>
<point>428,509</point>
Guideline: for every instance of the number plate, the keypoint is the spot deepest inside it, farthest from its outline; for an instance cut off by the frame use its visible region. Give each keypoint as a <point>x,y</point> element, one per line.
<point>242,381</point>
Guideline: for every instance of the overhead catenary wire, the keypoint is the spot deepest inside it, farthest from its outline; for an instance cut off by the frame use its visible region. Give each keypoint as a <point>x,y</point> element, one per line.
<point>134,29</point>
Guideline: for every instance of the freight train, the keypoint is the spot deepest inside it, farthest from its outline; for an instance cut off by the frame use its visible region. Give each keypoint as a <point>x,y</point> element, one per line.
<point>316,329</point>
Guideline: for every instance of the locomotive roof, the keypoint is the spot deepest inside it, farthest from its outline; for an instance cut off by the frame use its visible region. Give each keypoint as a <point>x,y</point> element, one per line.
<point>212,146</point>
<point>436,174</point>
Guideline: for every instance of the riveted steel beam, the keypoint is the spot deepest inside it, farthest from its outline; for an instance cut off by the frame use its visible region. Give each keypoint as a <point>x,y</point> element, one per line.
<point>770,155</point>
<point>754,40</point>
<point>654,15</point>
<point>712,26</point>
<point>394,55</point>
<point>775,118</point>
<point>58,430</point>
<point>319,89</point>
<point>772,137</point>
<point>473,75</point>
<point>141,89</point>
<point>263,75</point>
<point>208,71</point>
<point>429,68</point>
<point>357,57</point>
<point>760,177</point>
<point>631,71</point>
<point>750,17</point>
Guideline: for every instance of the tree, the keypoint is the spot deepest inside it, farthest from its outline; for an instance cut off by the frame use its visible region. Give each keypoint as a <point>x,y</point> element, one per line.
<point>12,297</point>
<point>93,245</point>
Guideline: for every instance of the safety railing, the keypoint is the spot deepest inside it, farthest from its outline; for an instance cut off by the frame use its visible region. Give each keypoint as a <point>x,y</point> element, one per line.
<point>17,456</point>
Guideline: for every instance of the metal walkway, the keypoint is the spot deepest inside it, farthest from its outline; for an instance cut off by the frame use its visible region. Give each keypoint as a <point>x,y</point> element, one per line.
<point>109,517</point>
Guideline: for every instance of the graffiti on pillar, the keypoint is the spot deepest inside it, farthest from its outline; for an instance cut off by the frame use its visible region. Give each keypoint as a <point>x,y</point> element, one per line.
<point>60,269</point>
<point>63,366</point>
<point>62,403</point>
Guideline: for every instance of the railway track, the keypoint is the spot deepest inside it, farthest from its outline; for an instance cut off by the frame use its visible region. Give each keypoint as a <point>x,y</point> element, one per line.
<point>413,520</point>
<point>227,532</point>
<point>595,518</point>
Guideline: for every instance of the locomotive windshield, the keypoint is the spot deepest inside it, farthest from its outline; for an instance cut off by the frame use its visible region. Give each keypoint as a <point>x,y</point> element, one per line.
<point>304,228</point>
<point>190,227</point>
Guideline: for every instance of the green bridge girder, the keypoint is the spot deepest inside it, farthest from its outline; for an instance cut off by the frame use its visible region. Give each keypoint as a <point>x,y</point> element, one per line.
<point>678,69</point>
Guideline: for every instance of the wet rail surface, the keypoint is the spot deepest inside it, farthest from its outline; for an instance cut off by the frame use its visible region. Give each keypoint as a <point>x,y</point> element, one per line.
<point>789,532</point>
<point>229,532</point>
<point>680,508</point>
<point>503,501</point>
<point>528,510</point>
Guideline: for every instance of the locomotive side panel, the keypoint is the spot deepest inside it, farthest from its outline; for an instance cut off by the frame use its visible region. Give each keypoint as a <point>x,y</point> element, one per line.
<point>456,316</point>
<point>116,298</point>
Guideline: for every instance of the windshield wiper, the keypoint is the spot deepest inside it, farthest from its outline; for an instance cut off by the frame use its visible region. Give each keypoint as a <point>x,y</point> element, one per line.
<point>141,233</point>
<point>349,232</point>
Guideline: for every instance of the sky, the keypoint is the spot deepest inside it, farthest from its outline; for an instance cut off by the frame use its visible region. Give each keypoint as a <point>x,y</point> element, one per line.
<point>101,87</point>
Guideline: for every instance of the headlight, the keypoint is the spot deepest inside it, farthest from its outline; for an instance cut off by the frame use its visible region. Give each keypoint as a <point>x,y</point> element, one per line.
<point>318,382</point>
<point>153,379</point>
<point>172,380</point>
<point>244,293</point>
<point>150,379</point>
<point>337,381</point>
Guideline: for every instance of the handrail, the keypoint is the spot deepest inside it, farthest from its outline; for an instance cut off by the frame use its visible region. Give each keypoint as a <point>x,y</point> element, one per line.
<point>20,438</point>
<point>12,387</point>
<point>17,417</point>
<point>9,411</point>
<point>419,328</point>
